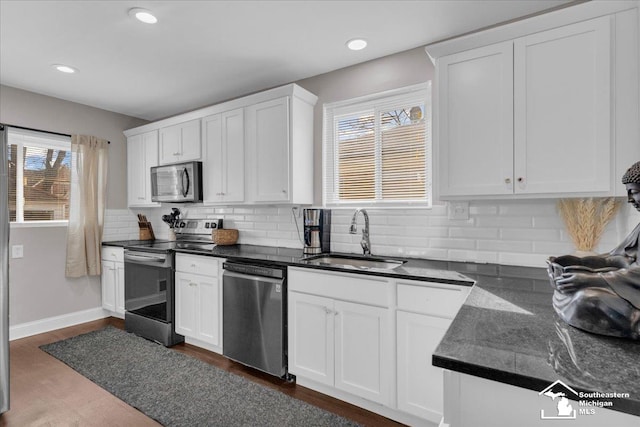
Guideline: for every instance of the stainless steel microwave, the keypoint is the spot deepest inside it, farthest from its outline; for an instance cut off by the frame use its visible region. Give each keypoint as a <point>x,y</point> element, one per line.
<point>177,183</point>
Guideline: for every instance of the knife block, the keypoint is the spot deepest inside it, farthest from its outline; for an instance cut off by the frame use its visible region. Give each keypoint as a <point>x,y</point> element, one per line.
<point>146,231</point>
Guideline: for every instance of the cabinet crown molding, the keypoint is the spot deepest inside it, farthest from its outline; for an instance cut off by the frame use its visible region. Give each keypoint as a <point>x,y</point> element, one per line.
<point>526,26</point>
<point>292,90</point>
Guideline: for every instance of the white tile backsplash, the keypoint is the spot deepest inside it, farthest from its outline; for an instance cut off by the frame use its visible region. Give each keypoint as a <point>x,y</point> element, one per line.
<point>506,232</point>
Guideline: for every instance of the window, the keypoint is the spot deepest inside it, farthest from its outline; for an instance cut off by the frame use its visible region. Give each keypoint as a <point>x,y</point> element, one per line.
<point>39,168</point>
<point>377,149</point>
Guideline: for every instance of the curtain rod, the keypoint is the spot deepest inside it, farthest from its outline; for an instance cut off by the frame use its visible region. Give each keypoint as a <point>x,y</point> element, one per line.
<point>39,130</point>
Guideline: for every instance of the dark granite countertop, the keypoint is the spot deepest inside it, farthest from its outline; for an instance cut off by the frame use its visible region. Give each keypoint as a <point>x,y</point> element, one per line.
<point>508,331</point>
<point>413,269</point>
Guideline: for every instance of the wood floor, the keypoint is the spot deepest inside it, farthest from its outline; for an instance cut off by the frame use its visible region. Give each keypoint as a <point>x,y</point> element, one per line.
<point>46,392</point>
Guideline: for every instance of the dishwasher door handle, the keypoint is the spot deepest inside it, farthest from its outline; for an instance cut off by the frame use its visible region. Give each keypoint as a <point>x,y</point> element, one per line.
<point>243,276</point>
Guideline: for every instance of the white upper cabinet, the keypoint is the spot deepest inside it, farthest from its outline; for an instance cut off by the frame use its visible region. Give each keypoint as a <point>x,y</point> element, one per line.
<point>180,142</point>
<point>268,135</point>
<point>476,121</point>
<point>256,149</point>
<point>223,136</point>
<point>142,154</point>
<point>562,88</point>
<point>546,110</point>
<point>280,150</point>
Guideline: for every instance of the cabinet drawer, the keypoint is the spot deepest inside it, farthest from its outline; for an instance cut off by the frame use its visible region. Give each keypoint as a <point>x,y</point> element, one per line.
<point>431,299</point>
<point>112,253</point>
<point>195,264</point>
<point>358,288</point>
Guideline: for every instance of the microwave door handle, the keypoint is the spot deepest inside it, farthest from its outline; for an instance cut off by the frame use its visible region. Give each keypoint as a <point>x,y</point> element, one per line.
<point>185,188</point>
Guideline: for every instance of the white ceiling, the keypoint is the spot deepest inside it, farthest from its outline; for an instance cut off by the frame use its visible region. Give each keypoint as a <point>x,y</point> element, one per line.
<point>204,52</point>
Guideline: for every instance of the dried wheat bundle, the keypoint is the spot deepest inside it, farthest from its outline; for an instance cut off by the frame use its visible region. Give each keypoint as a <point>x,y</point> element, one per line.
<point>586,219</point>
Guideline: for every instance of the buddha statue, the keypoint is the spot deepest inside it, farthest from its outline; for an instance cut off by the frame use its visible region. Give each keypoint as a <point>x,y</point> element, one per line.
<point>601,293</point>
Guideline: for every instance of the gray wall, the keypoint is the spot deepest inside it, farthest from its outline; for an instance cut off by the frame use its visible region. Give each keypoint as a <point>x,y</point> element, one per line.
<point>391,72</point>
<point>21,108</point>
<point>37,286</point>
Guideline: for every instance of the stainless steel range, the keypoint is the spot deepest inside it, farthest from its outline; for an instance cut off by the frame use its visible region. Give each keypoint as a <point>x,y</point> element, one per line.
<point>149,280</point>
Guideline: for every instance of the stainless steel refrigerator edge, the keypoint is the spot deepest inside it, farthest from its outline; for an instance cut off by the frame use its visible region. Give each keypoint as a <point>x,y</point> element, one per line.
<point>4,274</point>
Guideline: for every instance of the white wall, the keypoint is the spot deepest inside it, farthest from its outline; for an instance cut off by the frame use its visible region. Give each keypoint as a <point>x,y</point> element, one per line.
<point>38,288</point>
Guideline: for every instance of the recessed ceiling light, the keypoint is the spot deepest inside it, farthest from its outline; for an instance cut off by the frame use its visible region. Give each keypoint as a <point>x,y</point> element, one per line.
<point>357,44</point>
<point>143,15</point>
<point>65,68</point>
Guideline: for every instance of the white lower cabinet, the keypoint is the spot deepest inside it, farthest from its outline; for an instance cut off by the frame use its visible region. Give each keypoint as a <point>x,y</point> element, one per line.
<point>338,343</point>
<point>425,311</point>
<point>198,299</point>
<point>419,382</point>
<point>112,280</point>
<point>369,340</point>
<point>361,348</point>
<point>311,337</point>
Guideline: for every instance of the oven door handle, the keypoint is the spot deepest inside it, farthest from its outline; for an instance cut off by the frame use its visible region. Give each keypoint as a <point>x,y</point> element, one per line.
<point>145,259</point>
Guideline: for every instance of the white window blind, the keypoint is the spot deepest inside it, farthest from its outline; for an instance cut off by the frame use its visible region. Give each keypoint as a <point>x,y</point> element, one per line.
<point>39,167</point>
<point>377,149</point>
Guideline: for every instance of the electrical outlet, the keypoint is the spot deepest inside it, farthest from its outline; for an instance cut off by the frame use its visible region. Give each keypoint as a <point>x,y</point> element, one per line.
<point>17,251</point>
<point>459,210</point>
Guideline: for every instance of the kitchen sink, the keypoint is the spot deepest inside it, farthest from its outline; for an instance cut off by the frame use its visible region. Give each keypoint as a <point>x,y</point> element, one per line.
<point>354,262</point>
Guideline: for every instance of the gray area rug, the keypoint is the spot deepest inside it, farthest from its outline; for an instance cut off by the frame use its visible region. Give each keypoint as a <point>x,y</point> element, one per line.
<point>179,390</point>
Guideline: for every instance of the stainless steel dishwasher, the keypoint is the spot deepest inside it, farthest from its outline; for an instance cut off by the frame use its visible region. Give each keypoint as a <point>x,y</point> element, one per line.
<point>254,316</point>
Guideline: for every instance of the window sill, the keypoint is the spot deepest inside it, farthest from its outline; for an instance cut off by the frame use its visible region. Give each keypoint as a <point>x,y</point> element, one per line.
<point>377,207</point>
<point>39,224</point>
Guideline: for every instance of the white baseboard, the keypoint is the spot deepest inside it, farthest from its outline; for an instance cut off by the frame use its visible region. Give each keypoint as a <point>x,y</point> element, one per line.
<point>52,323</point>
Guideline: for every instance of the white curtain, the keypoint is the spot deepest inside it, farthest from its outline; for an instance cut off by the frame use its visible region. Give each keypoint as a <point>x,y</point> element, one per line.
<point>89,158</point>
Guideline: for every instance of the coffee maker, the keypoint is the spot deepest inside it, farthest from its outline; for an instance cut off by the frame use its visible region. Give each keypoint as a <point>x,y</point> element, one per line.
<point>317,231</point>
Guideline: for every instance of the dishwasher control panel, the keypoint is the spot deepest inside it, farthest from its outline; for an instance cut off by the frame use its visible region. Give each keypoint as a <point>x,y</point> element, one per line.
<point>255,270</point>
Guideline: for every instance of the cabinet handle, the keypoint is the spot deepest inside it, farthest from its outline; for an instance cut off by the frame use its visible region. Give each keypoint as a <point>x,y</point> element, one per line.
<point>507,180</point>
<point>193,265</point>
<point>176,154</point>
<point>327,310</point>
<point>284,191</point>
<point>192,284</point>
<point>520,179</point>
<point>140,198</point>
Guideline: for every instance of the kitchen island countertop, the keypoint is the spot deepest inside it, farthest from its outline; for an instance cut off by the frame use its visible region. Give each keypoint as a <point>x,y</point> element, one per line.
<point>508,331</point>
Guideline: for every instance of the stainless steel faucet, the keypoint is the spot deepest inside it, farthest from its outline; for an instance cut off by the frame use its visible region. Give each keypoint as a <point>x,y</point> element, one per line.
<point>365,242</point>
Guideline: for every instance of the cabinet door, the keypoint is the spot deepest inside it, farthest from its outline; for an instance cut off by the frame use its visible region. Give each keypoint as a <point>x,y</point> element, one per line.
<point>420,384</point>
<point>562,112</point>
<point>119,287</point>
<point>186,305</point>
<point>169,147</point>
<point>212,173</point>
<point>142,154</point>
<point>108,282</point>
<point>180,143</point>
<point>208,312</point>
<point>233,155</point>
<point>224,146</point>
<point>311,337</point>
<point>268,136</point>
<point>475,121</point>
<point>362,361</point>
